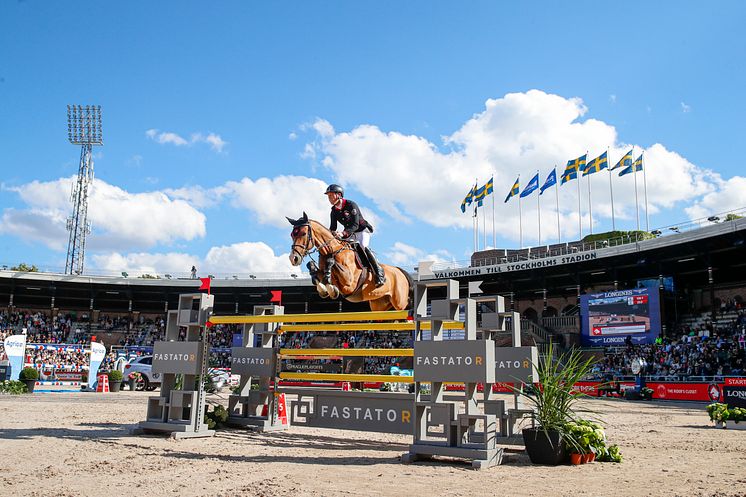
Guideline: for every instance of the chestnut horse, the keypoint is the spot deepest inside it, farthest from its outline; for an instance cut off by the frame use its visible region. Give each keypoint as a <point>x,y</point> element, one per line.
<point>339,273</point>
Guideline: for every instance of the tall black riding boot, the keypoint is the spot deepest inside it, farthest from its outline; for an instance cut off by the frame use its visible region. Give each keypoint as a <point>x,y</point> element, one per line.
<point>377,269</point>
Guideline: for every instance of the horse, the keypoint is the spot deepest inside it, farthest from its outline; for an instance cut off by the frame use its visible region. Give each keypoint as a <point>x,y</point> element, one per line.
<point>340,274</point>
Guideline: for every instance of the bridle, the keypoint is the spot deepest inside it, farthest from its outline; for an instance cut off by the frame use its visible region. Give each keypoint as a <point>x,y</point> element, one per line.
<point>309,247</point>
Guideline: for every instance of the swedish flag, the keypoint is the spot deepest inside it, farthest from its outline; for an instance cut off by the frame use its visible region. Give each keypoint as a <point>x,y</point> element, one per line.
<point>482,192</point>
<point>594,166</point>
<point>489,187</point>
<point>633,168</point>
<point>514,189</point>
<point>625,161</point>
<point>572,168</point>
<point>468,199</point>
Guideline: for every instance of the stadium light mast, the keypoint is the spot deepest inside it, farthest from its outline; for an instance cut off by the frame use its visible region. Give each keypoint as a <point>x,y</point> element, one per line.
<point>84,129</point>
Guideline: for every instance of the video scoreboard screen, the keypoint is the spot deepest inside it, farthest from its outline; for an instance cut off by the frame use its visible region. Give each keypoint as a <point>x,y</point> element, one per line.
<point>609,319</point>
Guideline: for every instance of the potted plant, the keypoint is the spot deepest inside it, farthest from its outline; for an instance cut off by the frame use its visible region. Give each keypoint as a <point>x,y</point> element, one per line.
<point>135,381</point>
<point>29,376</point>
<point>646,393</point>
<point>115,380</point>
<point>724,417</point>
<point>554,401</point>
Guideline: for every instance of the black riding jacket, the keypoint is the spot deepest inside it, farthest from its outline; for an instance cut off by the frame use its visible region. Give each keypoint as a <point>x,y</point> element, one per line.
<point>350,217</point>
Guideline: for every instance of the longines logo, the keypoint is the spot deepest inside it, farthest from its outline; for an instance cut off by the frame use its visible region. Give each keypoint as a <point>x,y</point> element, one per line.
<point>174,357</point>
<point>449,360</point>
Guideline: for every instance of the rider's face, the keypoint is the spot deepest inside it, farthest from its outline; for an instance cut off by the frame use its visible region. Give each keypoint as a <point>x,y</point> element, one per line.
<point>333,197</point>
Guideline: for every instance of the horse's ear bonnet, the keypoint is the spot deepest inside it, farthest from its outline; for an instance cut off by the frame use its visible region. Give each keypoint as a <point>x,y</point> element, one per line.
<point>298,222</point>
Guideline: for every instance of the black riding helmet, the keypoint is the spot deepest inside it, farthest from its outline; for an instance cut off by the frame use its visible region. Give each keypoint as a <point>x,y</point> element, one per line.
<point>335,189</point>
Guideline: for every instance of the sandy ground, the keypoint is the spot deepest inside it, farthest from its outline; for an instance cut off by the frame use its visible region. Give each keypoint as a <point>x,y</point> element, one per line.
<point>78,444</point>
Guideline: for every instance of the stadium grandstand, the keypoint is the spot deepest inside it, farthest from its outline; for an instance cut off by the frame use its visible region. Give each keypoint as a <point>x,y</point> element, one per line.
<point>696,272</point>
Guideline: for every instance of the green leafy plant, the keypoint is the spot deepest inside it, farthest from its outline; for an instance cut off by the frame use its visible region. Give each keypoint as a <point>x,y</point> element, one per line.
<point>589,436</point>
<point>719,413</point>
<point>216,418</point>
<point>28,373</point>
<point>554,399</point>
<point>115,375</point>
<point>12,387</point>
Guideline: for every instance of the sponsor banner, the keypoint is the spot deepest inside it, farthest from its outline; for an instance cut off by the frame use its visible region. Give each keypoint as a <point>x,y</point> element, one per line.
<point>735,382</point>
<point>253,361</point>
<point>516,364</point>
<point>361,411</point>
<point>177,357</point>
<point>516,266</point>
<point>311,367</point>
<point>98,352</point>
<point>684,391</point>
<point>454,360</point>
<point>15,349</point>
<point>734,396</point>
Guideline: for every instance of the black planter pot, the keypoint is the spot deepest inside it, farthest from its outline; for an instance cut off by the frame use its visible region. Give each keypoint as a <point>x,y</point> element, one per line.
<point>132,384</point>
<point>114,386</point>
<point>30,384</point>
<point>543,449</point>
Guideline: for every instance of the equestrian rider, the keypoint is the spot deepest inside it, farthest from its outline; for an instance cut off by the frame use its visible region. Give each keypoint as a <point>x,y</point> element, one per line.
<point>347,213</point>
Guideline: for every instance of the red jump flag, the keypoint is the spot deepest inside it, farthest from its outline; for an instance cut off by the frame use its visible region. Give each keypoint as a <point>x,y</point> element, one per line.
<point>205,284</point>
<point>276,296</point>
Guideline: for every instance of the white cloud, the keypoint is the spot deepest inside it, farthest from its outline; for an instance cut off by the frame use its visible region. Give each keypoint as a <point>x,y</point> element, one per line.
<point>271,199</point>
<point>685,108</point>
<point>198,196</point>
<point>612,98</point>
<point>142,262</point>
<point>729,196</point>
<point>239,258</point>
<point>410,177</point>
<point>168,137</point>
<point>404,255</point>
<point>248,257</point>
<point>119,218</point>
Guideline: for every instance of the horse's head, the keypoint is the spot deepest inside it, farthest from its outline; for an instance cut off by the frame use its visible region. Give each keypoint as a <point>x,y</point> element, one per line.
<point>302,239</point>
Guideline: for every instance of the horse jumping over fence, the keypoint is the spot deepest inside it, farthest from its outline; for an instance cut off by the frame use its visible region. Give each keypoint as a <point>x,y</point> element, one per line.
<point>339,272</point>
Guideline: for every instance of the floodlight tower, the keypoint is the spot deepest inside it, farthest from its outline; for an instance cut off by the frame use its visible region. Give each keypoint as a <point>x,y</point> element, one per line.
<point>84,129</point>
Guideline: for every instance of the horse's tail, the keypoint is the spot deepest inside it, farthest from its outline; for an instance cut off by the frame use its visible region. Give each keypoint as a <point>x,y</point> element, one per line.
<point>410,281</point>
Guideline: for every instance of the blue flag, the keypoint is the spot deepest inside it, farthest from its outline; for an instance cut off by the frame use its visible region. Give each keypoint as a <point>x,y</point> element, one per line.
<point>551,180</point>
<point>531,186</point>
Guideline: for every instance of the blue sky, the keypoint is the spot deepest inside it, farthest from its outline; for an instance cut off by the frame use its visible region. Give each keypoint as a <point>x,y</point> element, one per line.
<point>221,118</point>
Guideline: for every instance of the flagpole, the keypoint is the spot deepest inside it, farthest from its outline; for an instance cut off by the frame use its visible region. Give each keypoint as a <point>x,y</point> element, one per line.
<point>538,205</point>
<point>590,203</point>
<point>474,234</point>
<point>475,219</point>
<point>645,183</point>
<point>494,240</point>
<point>611,190</point>
<point>484,228</point>
<point>580,215</point>
<point>556,194</point>
<point>520,214</point>
<point>637,203</point>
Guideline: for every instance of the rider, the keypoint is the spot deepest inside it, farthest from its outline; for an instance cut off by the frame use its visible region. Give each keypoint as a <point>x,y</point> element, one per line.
<point>347,213</point>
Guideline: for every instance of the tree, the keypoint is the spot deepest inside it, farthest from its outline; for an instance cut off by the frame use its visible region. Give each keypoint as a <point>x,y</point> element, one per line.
<point>25,267</point>
<point>732,217</point>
